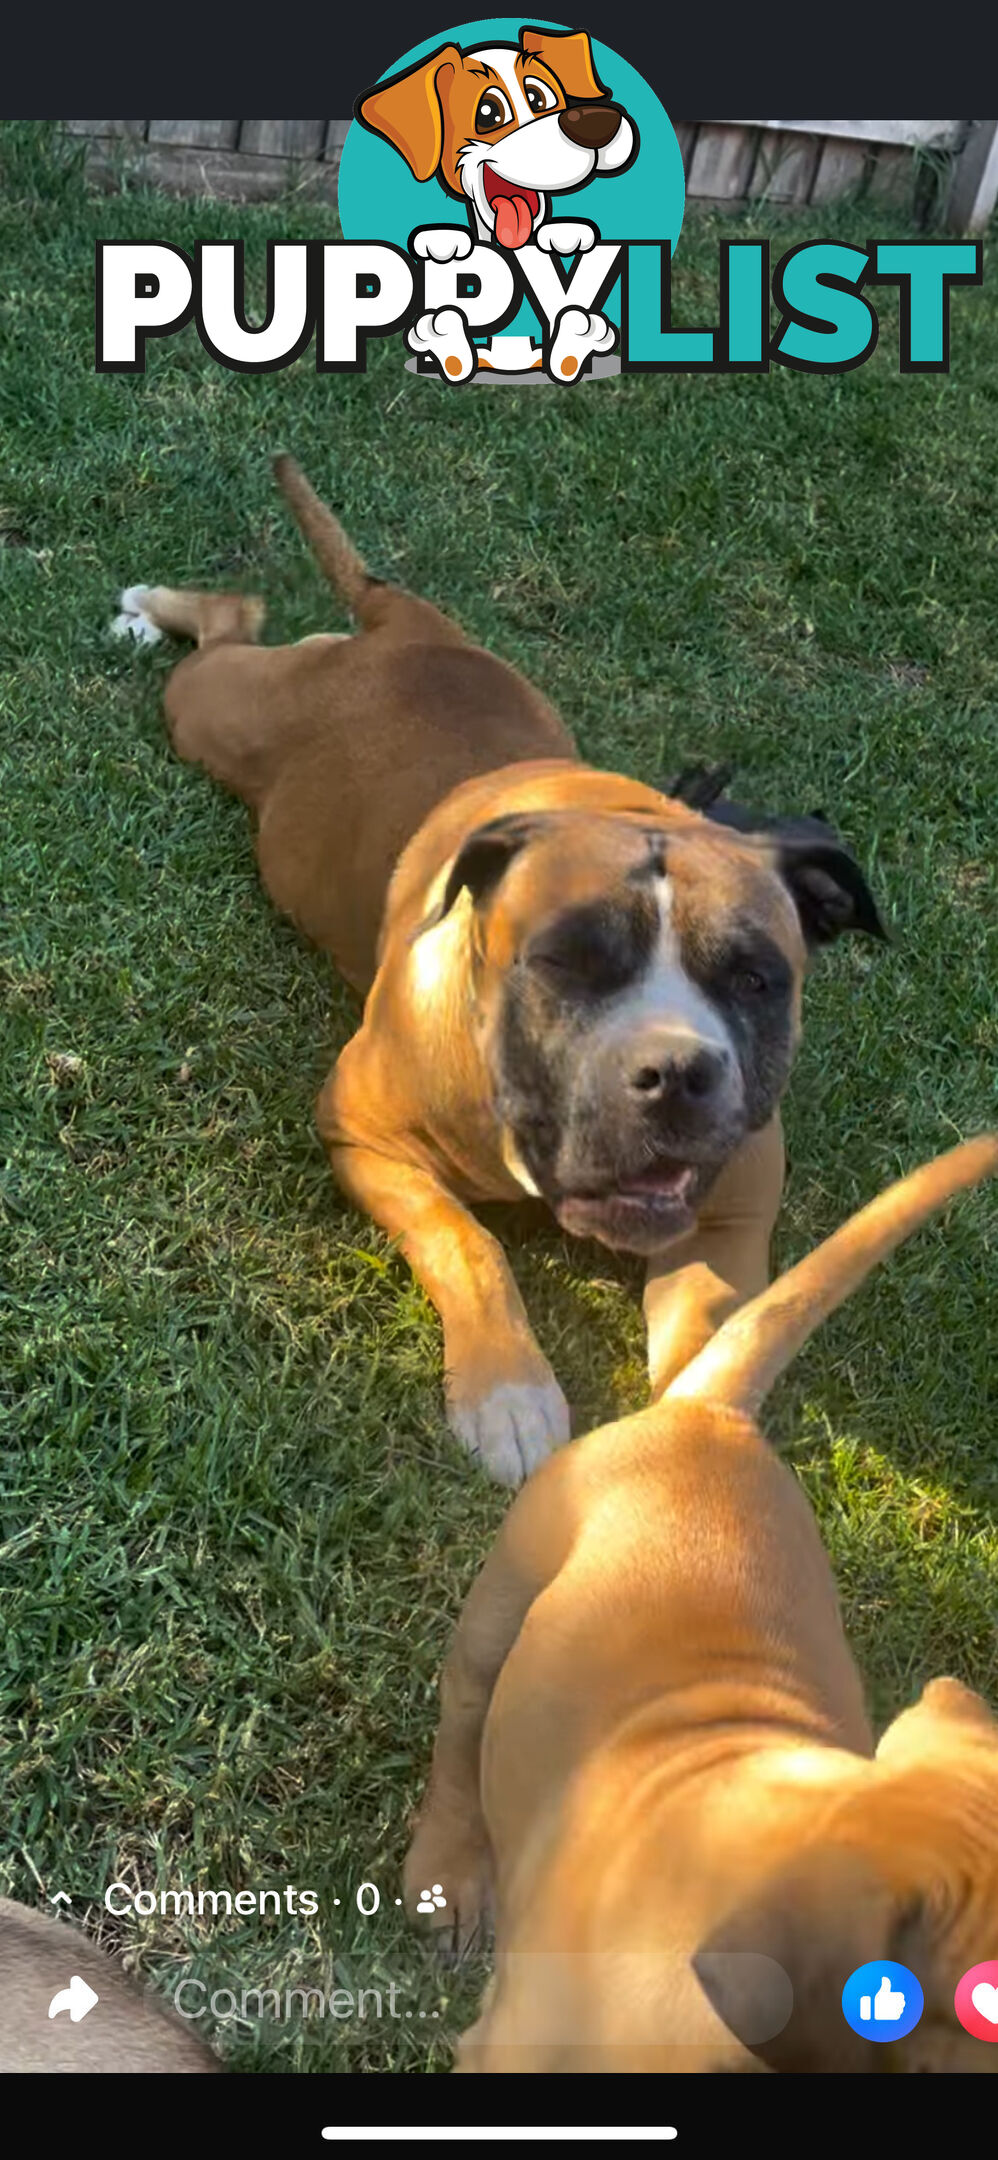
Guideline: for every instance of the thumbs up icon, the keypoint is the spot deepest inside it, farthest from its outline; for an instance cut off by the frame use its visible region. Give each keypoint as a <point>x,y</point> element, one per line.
<point>890,2000</point>
<point>888,2003</point>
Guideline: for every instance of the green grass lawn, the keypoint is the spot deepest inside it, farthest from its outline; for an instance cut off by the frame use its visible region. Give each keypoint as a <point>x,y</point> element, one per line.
<point>234,1531</point>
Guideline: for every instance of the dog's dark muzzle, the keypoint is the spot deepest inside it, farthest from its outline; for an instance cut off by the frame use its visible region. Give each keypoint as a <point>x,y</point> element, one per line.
<point>590,127</point>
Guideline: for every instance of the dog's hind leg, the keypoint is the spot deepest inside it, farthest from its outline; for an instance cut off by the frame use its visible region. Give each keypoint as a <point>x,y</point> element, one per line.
<point>224,707</point>
<point>209,618</point>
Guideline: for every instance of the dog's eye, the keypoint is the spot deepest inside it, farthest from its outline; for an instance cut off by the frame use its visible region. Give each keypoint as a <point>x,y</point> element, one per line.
<point>582,962</point>
<point>539,95</point>
<point>747,981</point>
<point>566,965</point>
<point>493,112</point>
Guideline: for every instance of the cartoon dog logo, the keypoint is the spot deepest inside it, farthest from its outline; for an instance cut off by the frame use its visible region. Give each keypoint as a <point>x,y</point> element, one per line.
<point>505,128</point>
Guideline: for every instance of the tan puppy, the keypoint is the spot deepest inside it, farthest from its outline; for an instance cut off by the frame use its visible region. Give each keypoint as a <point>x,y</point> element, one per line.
<point>654,1753</point>
<point>577,987</point>
<point>124,2031</point>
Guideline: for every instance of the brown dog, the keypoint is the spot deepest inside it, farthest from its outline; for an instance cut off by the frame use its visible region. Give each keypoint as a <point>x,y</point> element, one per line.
<point>653,1743</point>
<point>576,986</point>
<point>123,2030</point>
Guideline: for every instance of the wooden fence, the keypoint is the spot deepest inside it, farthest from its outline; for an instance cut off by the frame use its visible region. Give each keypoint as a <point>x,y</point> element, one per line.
<point>236,160</point>
<point>727,161</point>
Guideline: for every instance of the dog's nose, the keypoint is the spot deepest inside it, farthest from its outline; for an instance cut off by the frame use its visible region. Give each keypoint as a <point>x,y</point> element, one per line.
<point>678,1076</point>
<point>591,127</point>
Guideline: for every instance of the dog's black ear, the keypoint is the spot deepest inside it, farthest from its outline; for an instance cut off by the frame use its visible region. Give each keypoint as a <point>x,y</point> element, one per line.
<point>699,786</point>
<point>828,888</point>
<point>482,860</point>
<point>702,787</point>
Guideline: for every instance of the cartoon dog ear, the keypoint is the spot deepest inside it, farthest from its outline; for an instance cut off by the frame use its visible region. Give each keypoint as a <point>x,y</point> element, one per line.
<point>828,888</point>
<point>407,110</point>
<point>482,860</point>
<point>569,55</point>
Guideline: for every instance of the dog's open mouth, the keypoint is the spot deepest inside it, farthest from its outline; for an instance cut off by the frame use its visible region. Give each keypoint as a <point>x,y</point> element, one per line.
<point>514,207</point>
<point>635,1214</point>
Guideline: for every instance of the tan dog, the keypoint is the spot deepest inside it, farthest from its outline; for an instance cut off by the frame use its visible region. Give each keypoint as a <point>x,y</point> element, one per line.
<point>653,1744</point>
<point>577,987</point>
<point>124,2031</point>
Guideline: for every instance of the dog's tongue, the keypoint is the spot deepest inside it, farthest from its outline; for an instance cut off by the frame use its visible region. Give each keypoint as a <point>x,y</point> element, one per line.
<point>513,221</point>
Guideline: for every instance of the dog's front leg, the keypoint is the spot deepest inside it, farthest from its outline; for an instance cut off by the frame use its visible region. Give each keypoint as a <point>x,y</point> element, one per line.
<point>503,1400</point>
<point>686,1303</point>
<point>450,1853</point>
<point>449,1866</point>
<point>690,1289</point>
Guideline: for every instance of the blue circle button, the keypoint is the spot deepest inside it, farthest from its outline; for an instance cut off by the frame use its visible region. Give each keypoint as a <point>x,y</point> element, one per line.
<point>882,2001</point>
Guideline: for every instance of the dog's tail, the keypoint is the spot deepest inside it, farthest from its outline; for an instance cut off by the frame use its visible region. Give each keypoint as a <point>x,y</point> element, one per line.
<point>750,1350</point>
<point>336,555</point>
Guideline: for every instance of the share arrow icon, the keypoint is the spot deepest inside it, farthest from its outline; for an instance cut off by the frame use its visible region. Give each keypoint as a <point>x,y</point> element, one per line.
<point>78,1999</point>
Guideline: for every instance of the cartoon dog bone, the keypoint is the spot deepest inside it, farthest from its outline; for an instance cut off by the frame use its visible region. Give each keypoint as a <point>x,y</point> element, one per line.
<point>566,239</point>
<point>445,243</point>
<point>576,335</point>
<point>444,336</point>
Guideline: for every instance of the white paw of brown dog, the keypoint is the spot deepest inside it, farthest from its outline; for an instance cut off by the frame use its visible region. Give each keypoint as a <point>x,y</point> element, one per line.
<point>578,334</point>
<point>442,243</point>
<point>444,335</point>
<point>513,1429</point>
<point>133,621</point>
<point>567,239</point>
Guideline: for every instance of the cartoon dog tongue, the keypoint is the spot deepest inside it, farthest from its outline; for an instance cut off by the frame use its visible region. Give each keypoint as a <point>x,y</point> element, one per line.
<point>513,221</point>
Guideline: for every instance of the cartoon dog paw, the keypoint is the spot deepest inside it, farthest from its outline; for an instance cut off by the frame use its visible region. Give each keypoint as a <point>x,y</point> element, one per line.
<point>567,239</point>
<point>577,334</point>
<point>133,621</point>
<point>445,337</point>
<point>442,244</point>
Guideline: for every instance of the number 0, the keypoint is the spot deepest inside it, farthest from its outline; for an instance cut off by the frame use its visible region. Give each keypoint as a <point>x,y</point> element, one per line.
<point>368,1910</point>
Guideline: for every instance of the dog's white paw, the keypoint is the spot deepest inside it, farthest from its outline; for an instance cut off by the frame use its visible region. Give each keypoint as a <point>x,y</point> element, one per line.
<point>513,1429</point>
<point>133,621</point>
<point>576,335</point>
<point>443,243</point>
<point>566,239</point>
<point>445,336</point>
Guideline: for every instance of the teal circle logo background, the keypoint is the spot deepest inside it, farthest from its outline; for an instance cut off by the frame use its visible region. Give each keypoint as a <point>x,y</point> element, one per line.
<point>380,200</point>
